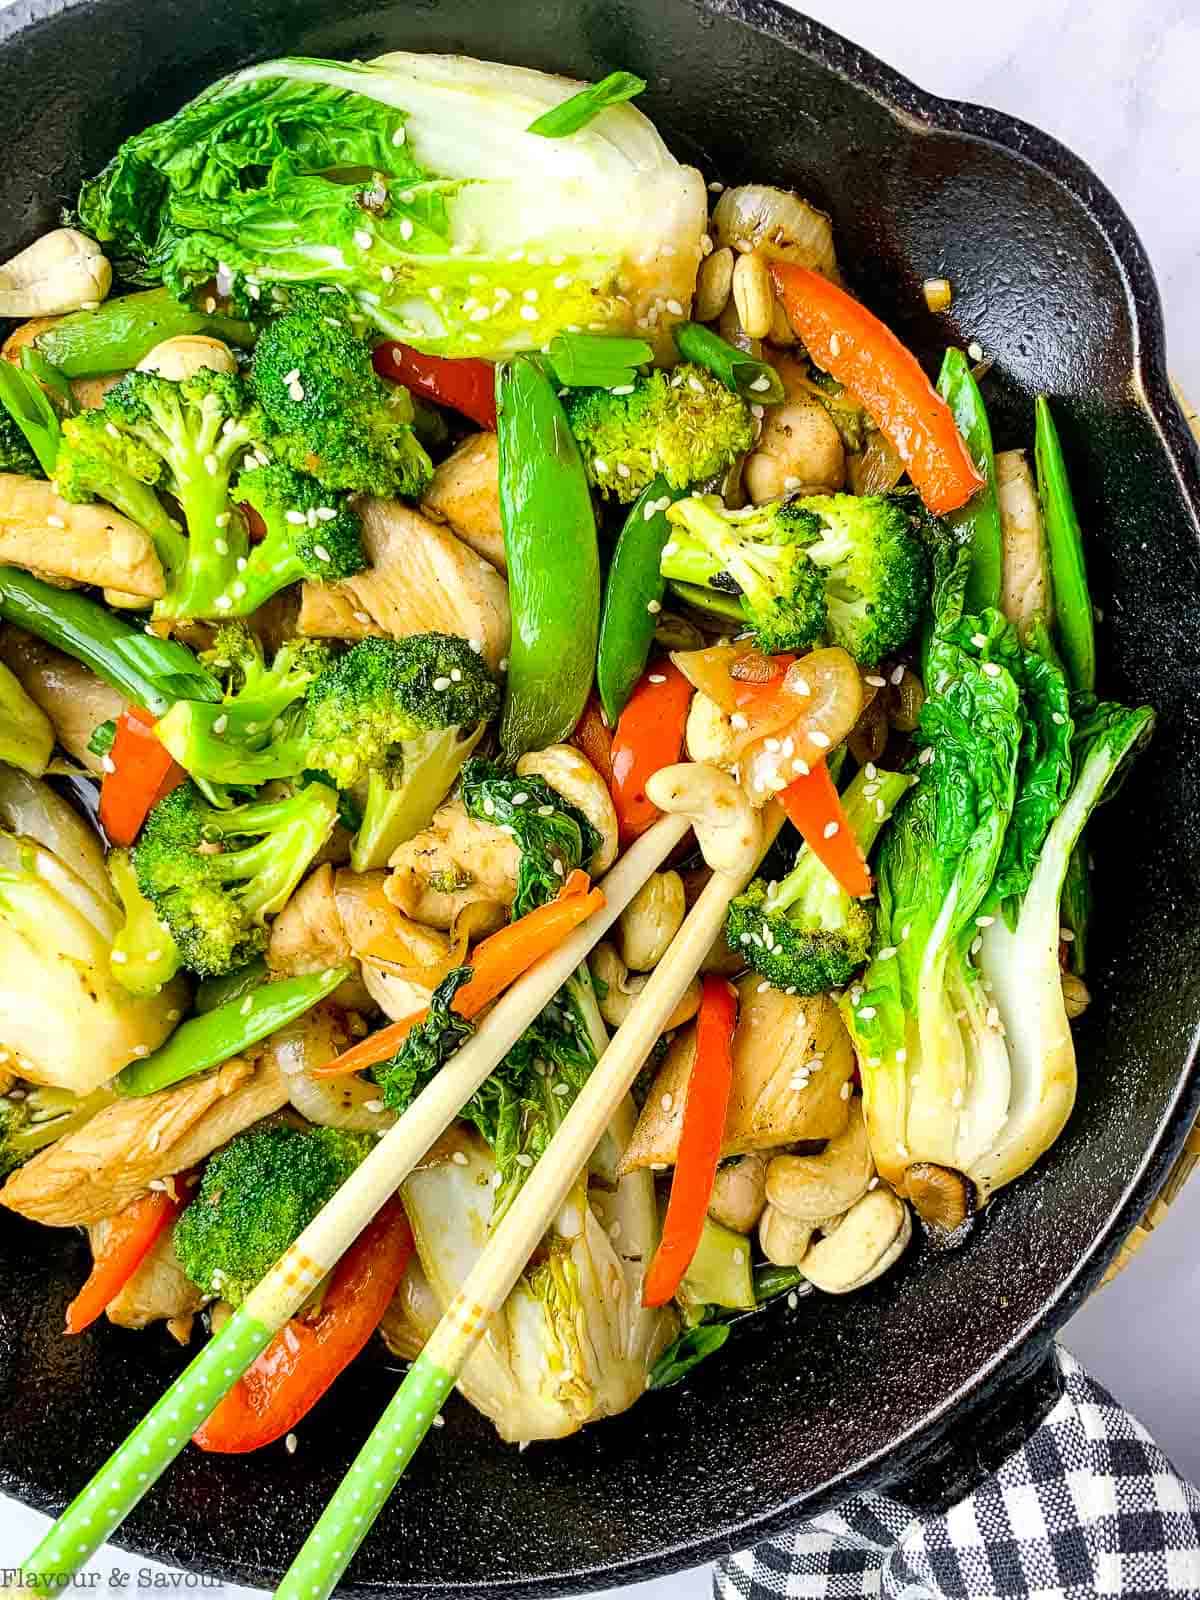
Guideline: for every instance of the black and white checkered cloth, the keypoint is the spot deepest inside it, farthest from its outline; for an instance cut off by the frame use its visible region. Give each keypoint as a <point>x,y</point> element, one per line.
<point>1089,1507</point>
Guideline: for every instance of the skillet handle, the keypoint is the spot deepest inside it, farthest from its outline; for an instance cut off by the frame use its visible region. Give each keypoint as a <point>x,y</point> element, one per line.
<point>982,1435</point>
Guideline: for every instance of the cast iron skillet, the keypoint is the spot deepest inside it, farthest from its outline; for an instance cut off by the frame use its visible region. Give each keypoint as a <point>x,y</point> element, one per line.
<point>905,1381</point>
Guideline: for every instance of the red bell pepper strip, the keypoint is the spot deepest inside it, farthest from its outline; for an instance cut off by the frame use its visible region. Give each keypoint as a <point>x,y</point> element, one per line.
<point>699,1142</point>
<point>305,1357</point>
<point>142,773</point>
<point>463,384</point>
<point>594,739</point>
<point>648,737</point>
<point>814,809</point>
<point>495,962</point>
<point>853,346</point>
<point>130,1237</point>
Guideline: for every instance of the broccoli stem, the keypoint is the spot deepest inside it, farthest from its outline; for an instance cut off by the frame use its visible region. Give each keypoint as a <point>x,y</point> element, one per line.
<point>294,830</point>
<point>87,344</point>
<point>150,671</point>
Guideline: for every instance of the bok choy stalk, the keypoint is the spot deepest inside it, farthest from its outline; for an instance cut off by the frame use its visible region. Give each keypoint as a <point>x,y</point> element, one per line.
<point>573,1342</point>
<point>414,182</point>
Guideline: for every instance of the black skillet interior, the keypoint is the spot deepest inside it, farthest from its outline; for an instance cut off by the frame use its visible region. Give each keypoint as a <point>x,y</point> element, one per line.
<point>1051,281</point>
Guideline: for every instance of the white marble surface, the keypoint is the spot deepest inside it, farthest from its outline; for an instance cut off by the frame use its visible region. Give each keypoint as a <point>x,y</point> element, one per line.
<point>1117,81</point>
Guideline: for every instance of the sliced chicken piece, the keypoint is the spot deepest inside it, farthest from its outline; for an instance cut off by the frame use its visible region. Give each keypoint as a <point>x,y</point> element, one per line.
<point>159,1291</point>
<point>91,1174</point>
<point>792,1065</point>
<point>94,544</point>
<point>422,579</point>
<point>307,935</point>
<point>1025,589</point>
<point>88,393</point>
<point>465,492</point>
<point>74,698</point>
<point>456,861</point>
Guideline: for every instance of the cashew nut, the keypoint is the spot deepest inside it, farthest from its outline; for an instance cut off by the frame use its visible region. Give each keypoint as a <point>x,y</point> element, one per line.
<point>573,776</point>
<point>808,1188</point>
<point>739,1192</point>
<point>727,827</point>
<point>873,1235</point>
<point>185,355</point>
<point>62,271</point>
<point>709,735</point>
<point>620,990</point>
<point>784,1241</point>
<point>651,920</point>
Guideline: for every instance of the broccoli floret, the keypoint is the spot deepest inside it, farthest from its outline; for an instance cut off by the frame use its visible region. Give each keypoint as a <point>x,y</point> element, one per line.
<point>214,875</point>
<point>754,554</point>
<point>100,461</point>
<point>805,934</point>
<point>33,1116</point>
<point>257,1196</point>
<point>256,733</point>
<point>199,430</point>
<point>875,571</point>
<point>401,715</point>
<point>15,452</point>
<point>554,838</point>
<point>328,412</point>
<point>144,955</point>
<point>311,533</point>
<point>685,424</point>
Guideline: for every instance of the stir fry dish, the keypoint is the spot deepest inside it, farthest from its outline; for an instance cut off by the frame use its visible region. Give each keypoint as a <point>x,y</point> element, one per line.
<point>415,483</point>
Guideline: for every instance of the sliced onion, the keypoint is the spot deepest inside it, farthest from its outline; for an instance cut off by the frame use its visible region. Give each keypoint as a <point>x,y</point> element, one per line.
<point>33,809</point>
<point>876,468</point>
<point>396,997</point>
<point>348,1102</point>
<point>709,671</point>
<point>380,933</point>
<point>23,855</point>
<point>778,224</point>
<point>828,691</point>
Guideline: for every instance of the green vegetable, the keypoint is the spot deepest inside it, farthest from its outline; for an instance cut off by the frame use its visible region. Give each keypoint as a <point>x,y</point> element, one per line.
<point>401,715</point>
<point>411,183</point>
<point>805,934</point>
<point>39,1117</point>
<point>43,372</point>
<point>256,733</point>
<point>328,413</point>
<point>91,344</point>
<point>150,671</point>
<point>634,585</point>
<point>26,732</point>
<point>205,1041</point>
<point>725,607</point>
<point>553,562</point>
<point>103,734</point>
<point>684,424</point>
<point>845,565</point>
<point>1020,962</point>
<point>757,382</point>
<point>522,1102</point>
<point>27,406</point>
<point>553,837</point>
<point>144,955</point>
<point>1075,621</point>
<point>215,901</point>
<point>978,522</point>
<point>597,360</point>
<point>15,453</point>
<point>570,115</point>
<point>1077,907</point>
<point>256,1198</point>
<point>686,1352</point>
<point>719,1272</point>
<point>235,985</point>
<point>101,460</point>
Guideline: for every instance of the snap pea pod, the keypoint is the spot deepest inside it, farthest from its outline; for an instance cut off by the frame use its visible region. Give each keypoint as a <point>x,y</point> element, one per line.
<point>633,597</point>
<point>979,518</point>
<point>86,344</point>
<point>725,607</point>
<point>205,1041</point>
<point>236,985</point>
<point>1074,618</point>
<point>553,561</point>
<point>755,381</point>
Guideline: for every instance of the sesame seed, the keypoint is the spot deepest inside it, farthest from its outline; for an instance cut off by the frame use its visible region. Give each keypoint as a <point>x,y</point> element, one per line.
<point>545,811</point>
<point>926,756</point>
<point>830,829</point>
<point>846,1090</point>
<point>739,722</point>
<point>835,344</point>
<point>599,464</point>
<point>221,546</point>
<point>979,640</point>
<point>503,663</point>
<point>1066,935</point>
<point>622,388</point>
<point>715,188</point>
<point>976,946</point>
<point>561,1089</point>
<point>441,683</point>
<point>622,470</point>
<point>459,1159</point>
<point>984,922</point>
<point>296,392</point>
<point>1057,718</point>
<point>668,1100</point>
<point>55,522</point>
<point>558,867</point>
<point>760,385</point>
<point>674,307</point>
<point>290,377</point>
<point>992,669</point>
<point>363,239</point>
<point>658,677</point>
<point>654,607</point>
<point>771,744</point>
<point>521,798</point>
<point>118,957</point>
<point>880,810</point>
<point>821,740</point>
<point>866,1013</point>
<point>975,350</point>
<point>993,1016</point>
<point>757,412</point>
<point>529,313</point>
<point>321,553</point>
<point>886,954</point>
<point>406,229</point>
<point>223,602</point>
<point>211,465</point>
<point>399,136</point>
<point>524,1160</point>
<point>801,767</point>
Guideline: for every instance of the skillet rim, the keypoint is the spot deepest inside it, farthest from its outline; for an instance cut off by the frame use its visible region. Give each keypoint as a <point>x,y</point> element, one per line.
<point>1017,1361</point>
